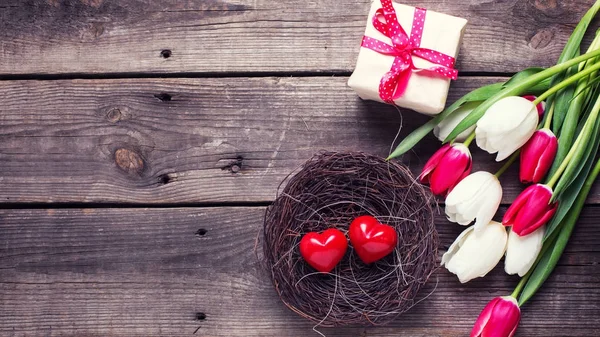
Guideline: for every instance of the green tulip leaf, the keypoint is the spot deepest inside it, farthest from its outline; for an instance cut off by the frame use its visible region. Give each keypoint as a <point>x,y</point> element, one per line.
<point>591,85</point>
<point>539,88</point>
<point>540,273</point>
<point>567,115</point>
<point>568,196</point>
<point>553,248</point>
<point>568,129</point>
<point>571,50</point>
<point>561,101</point>
<point>593,89</point>
<point>567,199</point>
<point>587,149</point>
<point>521,75</point>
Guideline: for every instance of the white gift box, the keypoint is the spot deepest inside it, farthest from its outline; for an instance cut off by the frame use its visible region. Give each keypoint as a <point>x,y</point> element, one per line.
<point>425,94</point>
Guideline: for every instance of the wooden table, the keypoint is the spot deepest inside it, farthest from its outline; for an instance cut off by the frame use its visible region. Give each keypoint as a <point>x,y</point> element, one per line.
<point>140,141</point>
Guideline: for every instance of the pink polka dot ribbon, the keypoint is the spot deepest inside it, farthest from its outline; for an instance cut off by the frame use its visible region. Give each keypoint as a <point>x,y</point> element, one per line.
<point>403,48</point>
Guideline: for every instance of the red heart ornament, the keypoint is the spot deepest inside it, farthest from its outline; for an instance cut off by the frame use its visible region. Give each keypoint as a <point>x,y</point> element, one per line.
<point>323,251</point>
<point>371,239</point>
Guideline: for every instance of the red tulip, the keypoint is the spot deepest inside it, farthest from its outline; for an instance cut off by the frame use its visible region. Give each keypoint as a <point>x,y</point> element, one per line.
<point>448,165</point>
<point>531,210</point>
<point>541,107</point>
<point>537,156</point>
<point>499,318</point>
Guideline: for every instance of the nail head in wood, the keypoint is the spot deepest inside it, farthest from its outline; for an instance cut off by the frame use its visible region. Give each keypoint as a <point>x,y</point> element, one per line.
<point>163,97</point>
<point>164,179</point>
<point>165,53</point>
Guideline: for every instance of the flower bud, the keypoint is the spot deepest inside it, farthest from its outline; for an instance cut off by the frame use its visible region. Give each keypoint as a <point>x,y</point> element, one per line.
<point>530,210</point>
<point>448,165</point>
<point>506,126</point>
<point>445,127</point>
<point>476,197</point>
<point>474,254</point>
<point>537,156</point>
<point>499,318</point>
<point>522,251</point>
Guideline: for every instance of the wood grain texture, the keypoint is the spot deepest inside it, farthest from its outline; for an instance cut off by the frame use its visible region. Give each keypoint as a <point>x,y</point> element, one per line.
<point>157,141</point>
<point>216,36</point>
<point>147,272</point>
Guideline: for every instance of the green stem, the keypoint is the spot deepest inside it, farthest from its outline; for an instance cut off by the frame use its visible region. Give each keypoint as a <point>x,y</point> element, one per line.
<point>565,162</point>
<point>565,83</point>
<point>469,139</point>
<point>593,46</point>
<point>521,285</point>
<point>590,180</point>
<point>506,165</point>
<point>549,117</point>
<point>583,134</point>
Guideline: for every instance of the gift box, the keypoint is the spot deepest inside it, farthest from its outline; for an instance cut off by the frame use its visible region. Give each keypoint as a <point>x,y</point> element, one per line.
<point>407,57</point>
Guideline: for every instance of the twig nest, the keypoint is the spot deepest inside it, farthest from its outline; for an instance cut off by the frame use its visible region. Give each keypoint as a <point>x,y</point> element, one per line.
<point>329,191</point>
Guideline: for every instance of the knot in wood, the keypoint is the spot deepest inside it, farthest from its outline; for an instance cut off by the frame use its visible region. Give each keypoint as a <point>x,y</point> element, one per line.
<point>546,4</point>
<point>541,39</point>
<point>114,115</point>
<point>129,161</point>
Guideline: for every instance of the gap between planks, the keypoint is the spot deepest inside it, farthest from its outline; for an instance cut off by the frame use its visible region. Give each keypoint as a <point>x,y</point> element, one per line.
<point>258,74</point>
<point>208,205</point>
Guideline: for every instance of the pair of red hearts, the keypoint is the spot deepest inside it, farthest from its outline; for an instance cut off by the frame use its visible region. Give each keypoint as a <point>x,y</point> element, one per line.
<point>371,241</point>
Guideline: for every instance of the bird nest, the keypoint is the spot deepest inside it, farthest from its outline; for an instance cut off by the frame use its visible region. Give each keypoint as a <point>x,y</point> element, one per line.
<point>329,191</point>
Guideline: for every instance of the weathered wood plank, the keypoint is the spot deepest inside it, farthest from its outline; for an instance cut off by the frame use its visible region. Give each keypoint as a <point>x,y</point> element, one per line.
<point>213,140</point>
<point>145,272</point>
<point>129,36</point>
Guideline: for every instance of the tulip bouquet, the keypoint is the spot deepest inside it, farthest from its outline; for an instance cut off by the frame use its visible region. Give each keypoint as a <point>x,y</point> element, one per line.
<point>547,118</point>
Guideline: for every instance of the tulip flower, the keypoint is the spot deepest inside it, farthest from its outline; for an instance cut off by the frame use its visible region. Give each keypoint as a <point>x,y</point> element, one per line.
<point>537,156</point>
<point>476,197</point>
<point>541,107</point>
<point>530,210</point>
<point>473,254</point>
<point>448,165</point>
<point>499,318</point>
<point>521,251</point>
<point>443,128</point>
<point>506,126</point>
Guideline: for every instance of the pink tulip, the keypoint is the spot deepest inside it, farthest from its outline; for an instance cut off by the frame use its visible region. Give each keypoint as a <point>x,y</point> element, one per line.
<point>499,318</point>
<point>541,107</point>
<point>448,165</point>
<point>537,156</point>
<point>530,210</point>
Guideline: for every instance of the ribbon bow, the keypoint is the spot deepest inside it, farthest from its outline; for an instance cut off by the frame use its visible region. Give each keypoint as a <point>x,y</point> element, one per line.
<point>403,48</point>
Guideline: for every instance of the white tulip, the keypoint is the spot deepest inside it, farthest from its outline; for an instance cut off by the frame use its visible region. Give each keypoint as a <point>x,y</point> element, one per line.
<point>521,251</point>
<point>506,126</point>
<point>443,129</point>
<point>474,254</point>
<point>477,196</point>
